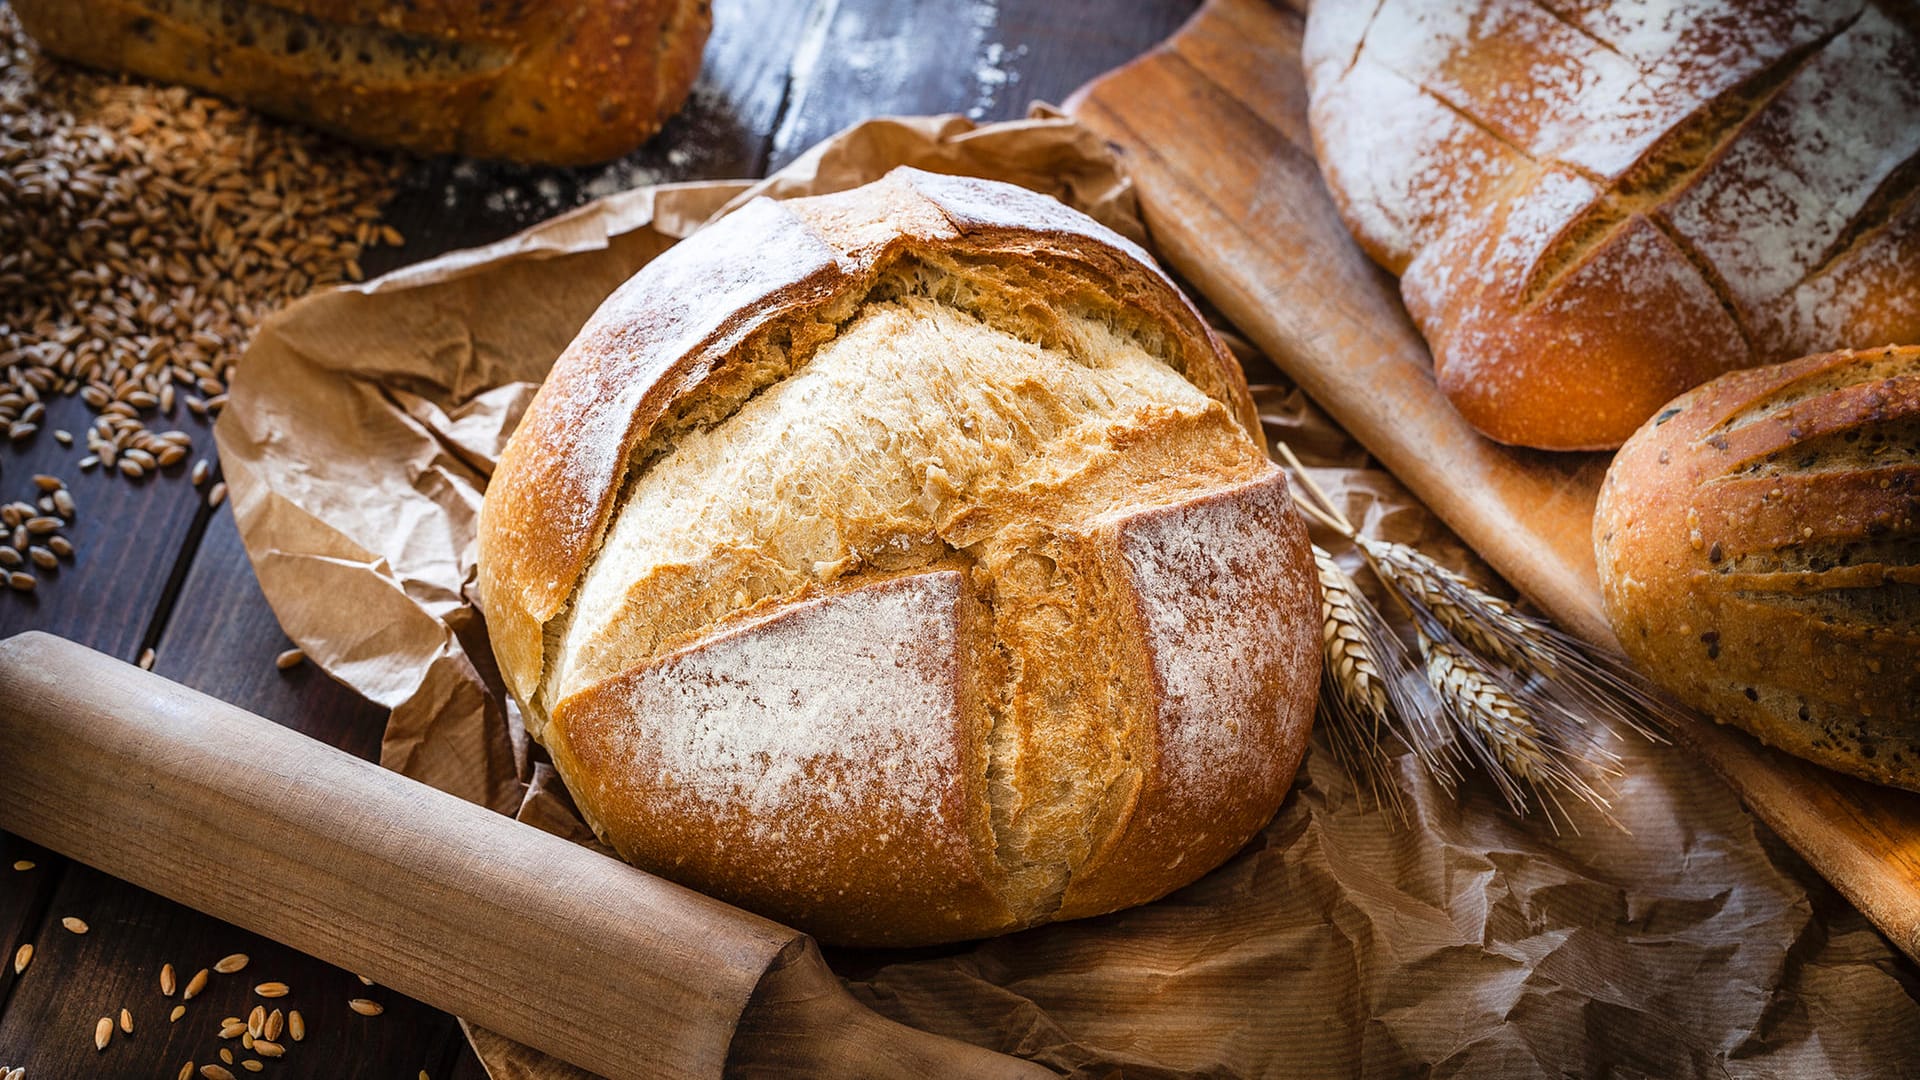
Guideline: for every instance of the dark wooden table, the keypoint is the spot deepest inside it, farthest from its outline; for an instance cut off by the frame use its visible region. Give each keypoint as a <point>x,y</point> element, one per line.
<point>158,569</point>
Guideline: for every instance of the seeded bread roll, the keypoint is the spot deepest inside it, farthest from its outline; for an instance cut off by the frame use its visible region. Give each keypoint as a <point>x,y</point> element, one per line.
<point>555,81</point>
<point>1594,206</point>
<point>1759,549</point>
<point>903,564</point>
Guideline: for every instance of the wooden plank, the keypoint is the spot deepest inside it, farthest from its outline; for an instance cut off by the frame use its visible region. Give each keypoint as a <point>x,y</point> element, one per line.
<point>985,59</point>
<point>75,979</point>
<point>1236,203</point>
<point>128,535</point>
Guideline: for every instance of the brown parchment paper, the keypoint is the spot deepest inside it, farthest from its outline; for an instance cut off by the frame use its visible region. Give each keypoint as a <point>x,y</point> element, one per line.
<point>362,427</point>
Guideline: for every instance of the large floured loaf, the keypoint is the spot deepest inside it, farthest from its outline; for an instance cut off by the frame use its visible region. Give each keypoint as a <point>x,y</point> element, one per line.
<point>1594,205</point>
<point>557,81</point>
<point>1759,550</point>
<point>902,564</point>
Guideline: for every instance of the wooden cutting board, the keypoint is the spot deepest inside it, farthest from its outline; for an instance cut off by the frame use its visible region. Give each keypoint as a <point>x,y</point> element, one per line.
<point>1213,125</point>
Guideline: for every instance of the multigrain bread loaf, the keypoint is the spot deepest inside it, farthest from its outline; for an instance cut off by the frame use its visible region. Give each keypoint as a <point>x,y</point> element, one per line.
<point>555,81</point>
<point>902,564</point>
<point>1594,206</point>
<point>1759,550</point>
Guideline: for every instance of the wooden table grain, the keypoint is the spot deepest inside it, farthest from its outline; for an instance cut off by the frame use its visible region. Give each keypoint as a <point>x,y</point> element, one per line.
<point>159,569</point>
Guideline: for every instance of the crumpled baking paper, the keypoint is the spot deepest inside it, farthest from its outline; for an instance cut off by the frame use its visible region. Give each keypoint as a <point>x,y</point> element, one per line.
<point>362,427</point>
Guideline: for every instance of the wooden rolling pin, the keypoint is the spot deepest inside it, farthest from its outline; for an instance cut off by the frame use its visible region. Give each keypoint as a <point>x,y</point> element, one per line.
<point>521,932</point>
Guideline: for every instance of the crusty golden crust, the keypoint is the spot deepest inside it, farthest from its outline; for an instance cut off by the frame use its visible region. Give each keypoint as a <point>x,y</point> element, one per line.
<point>553,81</point>
<point>1592,210</point>
<point>1759,551</point>
<point>1071,671</point>
<point>766,267</point>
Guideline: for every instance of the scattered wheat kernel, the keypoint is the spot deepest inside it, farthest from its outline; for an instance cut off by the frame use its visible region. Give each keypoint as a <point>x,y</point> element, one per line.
<point>126,1021</point>
<point>297,1026</point>
<point>166,980</point>
<point>22,958</point>
<point>246,1039</point>
<point>217,494</point>
<point>276,1022</point>
<point>290,659</point>
<point>252,1065</point>
<point>186,1071</point>
<point>364,981</point>
<point>194,985</point>
<point>103,1033</point>
<point>233,1030</point>
<point>270,990</point>
<point>268,1048</point>
<point>232,1020</point>
<point>226,1055</point>
<point>178,1012</point>
<point>23,864</point>
<point>257,1021</point>
<point>201,470</point>
<point>215,1072</point>
<point>78,926</point>
<point>230,964</point>
<point>365,1007</point>
<point>146,659</point>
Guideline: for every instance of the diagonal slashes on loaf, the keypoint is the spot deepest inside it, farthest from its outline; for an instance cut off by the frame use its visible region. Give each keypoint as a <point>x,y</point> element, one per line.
<point>920,435</point>
<point>1745,175</point>
<point>901,564</point>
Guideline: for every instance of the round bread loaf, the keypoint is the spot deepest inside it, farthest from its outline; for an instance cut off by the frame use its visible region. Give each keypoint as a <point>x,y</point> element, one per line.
<point>1759,550</point>
<point>903,564</point>
<point>563,82</point>
<point>1595,206</point>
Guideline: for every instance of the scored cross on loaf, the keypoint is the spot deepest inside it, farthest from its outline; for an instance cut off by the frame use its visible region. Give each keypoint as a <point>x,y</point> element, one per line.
<point>903,564</point>
<point>1594,205</point>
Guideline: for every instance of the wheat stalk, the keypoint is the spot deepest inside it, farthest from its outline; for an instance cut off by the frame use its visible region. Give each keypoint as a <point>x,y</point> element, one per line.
<point>1349,654</point>
<point>1484,623</point>
<point>1502,688</point>
<point>1355,707</point>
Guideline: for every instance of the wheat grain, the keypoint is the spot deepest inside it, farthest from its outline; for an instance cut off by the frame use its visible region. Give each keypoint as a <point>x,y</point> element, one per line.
<point>270,990</point>
<point>276,1022</point>
<point>365,1007</point>
<point>166,980</point>
<point>178,1012</point>
<point>257,1021</point>
<point>102,1033</point>
<point>22,957</point>
<point>75,925</point>
<point>194,985</point>
<point>231,963</point>
<point>20,864</point>
<point>297,1026</point>
<point>126,1021</point>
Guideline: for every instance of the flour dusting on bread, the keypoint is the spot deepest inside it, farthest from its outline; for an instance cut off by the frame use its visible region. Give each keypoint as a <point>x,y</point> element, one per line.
<point>1494,151</point>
